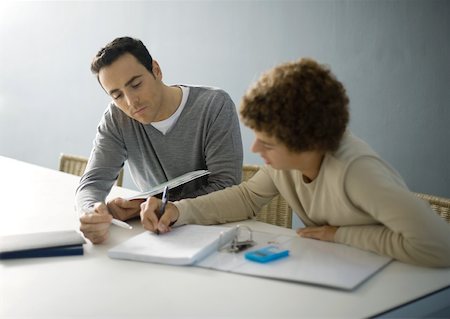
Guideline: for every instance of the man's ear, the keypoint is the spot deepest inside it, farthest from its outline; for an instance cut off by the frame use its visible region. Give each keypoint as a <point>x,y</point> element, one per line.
<point>156,70</point>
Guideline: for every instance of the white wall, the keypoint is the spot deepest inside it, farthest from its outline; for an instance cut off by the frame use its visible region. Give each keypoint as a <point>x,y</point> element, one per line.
<point>393,56</point>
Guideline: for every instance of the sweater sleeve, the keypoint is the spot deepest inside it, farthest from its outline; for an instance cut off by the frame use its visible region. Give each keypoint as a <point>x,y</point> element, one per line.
<point>107,158</point>
<point>232,204</point>
<point>408,230</point>
<point>222,147</point>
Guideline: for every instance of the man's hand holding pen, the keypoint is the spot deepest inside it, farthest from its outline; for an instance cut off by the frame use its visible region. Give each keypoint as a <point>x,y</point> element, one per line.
<point>158,215</point>
<point>95,221</point>
<point>95,224</point>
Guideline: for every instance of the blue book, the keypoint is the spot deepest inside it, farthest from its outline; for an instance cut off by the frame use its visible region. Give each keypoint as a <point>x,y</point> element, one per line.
<point>43,244</point>
<point>44,252</point>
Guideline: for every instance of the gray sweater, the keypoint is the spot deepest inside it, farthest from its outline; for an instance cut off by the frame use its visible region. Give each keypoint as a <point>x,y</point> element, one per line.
<point>205,136</point>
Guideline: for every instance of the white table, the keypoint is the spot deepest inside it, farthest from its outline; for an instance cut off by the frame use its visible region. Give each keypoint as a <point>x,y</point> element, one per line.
<point>94,286</point>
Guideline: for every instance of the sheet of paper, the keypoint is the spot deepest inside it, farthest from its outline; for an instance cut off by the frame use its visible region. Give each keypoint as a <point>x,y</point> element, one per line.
<point>309,261</point>
<point>183,245</point>
<point>180,180</point>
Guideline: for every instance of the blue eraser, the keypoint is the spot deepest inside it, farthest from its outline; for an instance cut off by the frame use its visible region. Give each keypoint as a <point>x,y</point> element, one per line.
<point>266,254</point>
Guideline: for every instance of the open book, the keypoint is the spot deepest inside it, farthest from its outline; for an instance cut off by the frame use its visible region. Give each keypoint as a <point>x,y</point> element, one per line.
<point>180,180</point>
<point>309,261</point>
<point>182,246</point>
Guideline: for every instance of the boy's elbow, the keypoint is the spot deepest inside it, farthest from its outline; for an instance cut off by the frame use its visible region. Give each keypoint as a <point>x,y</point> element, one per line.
<point>436,256</point>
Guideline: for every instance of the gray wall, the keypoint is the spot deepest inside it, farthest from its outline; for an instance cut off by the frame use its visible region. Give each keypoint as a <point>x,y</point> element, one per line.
<point>393,56</point>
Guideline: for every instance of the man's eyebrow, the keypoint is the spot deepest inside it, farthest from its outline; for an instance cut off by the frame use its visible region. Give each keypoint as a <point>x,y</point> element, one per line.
<point>126,84</point>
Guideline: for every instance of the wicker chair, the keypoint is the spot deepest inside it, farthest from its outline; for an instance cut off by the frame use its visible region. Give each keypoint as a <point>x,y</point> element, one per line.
<point>277,211</point>
<point>77,164</point>
<point>440,205</point>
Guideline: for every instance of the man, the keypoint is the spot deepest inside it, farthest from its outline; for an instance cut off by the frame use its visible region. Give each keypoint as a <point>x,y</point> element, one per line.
<point>163,131</point>
<point>338,186</point>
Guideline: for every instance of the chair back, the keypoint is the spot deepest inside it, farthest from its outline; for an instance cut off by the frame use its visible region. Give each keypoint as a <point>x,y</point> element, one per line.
<point>440,205</point>
<point>76,165</point>
<point>277,211</point>
<point>72,164</point>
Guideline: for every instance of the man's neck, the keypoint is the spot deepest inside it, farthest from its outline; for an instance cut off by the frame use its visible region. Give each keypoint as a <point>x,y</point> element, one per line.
<point>172,100</point>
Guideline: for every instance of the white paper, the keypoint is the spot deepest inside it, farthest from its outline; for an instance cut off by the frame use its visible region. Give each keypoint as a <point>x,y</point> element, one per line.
<point>309,261</point>
<point>180,180</point>
<point>40,240</point>
<point>183,245</point>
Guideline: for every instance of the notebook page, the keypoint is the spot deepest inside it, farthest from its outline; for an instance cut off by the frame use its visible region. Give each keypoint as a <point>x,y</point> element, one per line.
<point>183,245</point>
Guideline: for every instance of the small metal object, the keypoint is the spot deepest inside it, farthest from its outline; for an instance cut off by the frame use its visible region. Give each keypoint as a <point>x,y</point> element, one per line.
<point>242,241</point>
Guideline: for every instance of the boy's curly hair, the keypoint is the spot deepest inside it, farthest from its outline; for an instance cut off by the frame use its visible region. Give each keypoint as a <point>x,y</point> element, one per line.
<point>300,103</point>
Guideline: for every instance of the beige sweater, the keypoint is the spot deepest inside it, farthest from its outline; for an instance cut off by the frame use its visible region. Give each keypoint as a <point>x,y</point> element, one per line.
<point>354,190</point>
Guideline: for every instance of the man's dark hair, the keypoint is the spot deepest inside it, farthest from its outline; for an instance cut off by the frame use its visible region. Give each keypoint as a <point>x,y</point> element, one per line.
<point>118,47</point>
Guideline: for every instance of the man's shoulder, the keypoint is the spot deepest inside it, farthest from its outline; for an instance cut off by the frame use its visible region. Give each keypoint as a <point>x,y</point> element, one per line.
<point>203,91</point>
<point>114,117</point>
<point>113,112</point>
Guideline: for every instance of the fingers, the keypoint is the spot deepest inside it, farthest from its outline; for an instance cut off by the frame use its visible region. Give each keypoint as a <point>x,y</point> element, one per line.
<point>124,209</point>
<point>307,232</point>
<point>125,203</point>
<point>325,233</point>
<point>95,225</point>
<point>165,221</point>
<point>150,212</point>
<point>149,209</point>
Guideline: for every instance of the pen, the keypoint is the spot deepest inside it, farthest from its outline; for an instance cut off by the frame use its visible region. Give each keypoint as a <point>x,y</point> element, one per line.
<point>114,221</point>
<point>165,198</point>
<point>121,224</point>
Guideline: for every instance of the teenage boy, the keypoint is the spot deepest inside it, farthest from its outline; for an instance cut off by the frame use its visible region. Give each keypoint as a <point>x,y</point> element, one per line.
<point>338,186</point>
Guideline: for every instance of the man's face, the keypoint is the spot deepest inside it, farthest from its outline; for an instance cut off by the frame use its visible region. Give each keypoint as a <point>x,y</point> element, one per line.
<point>136,91</point>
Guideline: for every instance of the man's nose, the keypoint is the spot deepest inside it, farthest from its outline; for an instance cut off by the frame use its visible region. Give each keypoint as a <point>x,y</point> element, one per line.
<point>132,100</point>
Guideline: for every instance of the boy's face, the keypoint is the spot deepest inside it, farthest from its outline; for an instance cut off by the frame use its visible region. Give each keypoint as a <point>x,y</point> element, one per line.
<point>136,91</point>
<point>273,152</point>
<point>277,155</point>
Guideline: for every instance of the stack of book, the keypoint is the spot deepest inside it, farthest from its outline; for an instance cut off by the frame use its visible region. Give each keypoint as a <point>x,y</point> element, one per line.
<point>42,244</point>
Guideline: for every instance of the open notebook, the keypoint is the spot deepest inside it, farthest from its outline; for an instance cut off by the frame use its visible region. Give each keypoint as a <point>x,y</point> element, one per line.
<point>180,180</point>
<point>182,246</point>
<point>309,261</point>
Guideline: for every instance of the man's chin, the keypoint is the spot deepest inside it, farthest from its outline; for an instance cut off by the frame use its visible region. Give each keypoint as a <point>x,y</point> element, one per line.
<point>142,120</point>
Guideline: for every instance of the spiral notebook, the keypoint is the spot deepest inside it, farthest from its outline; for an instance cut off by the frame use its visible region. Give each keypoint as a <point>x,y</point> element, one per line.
<point>309,261</point>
